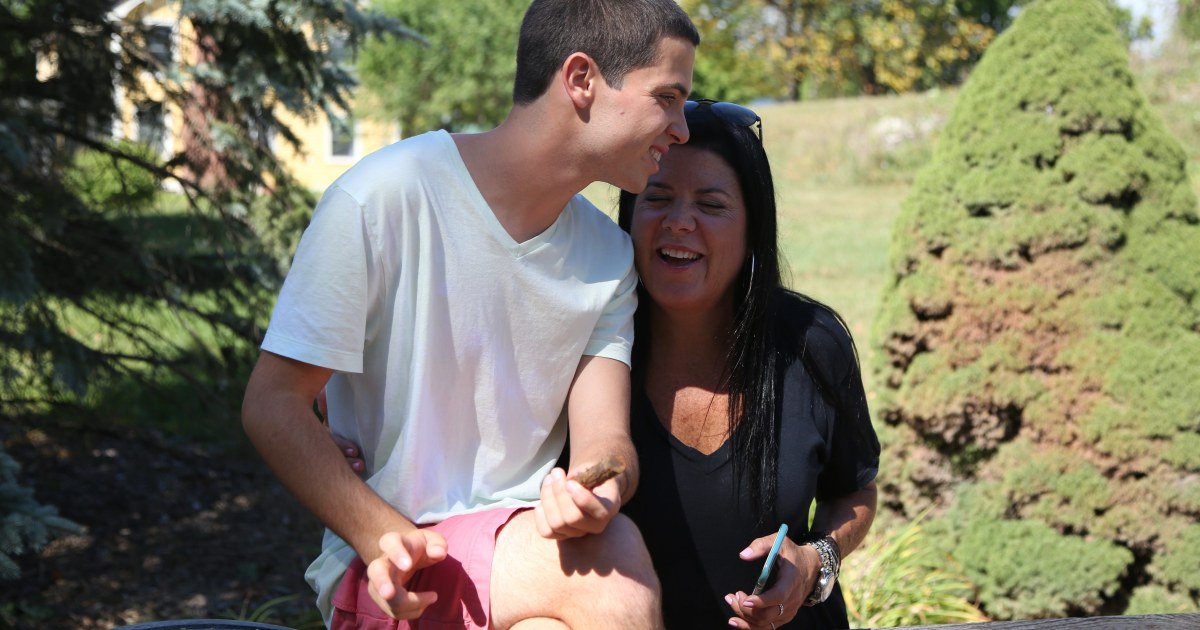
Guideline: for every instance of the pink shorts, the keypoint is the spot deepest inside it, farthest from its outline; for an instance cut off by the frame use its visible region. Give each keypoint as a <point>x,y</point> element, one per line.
<point>462,581</point>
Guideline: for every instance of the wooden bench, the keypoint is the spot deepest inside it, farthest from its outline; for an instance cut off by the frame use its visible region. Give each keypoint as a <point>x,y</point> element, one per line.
<point>1189,621</point>
<point>203,624</point>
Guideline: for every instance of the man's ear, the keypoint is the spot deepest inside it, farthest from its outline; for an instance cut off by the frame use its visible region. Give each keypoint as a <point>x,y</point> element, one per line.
<point>580,78</point>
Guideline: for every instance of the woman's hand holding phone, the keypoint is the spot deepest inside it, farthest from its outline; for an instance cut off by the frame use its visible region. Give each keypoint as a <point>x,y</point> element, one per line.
<point>767,575</point>
<point>790,574</point>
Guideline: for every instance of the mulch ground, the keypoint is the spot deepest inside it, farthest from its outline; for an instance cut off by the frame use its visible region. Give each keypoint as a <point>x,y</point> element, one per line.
<point>171,531</point>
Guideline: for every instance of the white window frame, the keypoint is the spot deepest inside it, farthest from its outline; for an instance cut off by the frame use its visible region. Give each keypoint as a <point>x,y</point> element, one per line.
<point>168,142</point>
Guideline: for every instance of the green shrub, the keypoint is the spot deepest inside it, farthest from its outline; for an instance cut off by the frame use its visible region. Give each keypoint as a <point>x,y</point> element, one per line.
<point>1180,568</point>
<point>1039,334</point>
<point>1027,569</point>
<point>1156,600</point>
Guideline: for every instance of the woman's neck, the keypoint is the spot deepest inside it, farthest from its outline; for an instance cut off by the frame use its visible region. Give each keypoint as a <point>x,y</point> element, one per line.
<point>690,345</point>
<point>685,377</point>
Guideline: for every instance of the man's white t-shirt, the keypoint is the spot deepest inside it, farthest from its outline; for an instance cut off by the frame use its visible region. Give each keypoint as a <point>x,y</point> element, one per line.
<point>453,345</point>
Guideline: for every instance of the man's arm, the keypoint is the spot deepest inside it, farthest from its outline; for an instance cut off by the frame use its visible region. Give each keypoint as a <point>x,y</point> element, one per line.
<point>598,416</point>
<point>598,412</point>
<point>278,419</point>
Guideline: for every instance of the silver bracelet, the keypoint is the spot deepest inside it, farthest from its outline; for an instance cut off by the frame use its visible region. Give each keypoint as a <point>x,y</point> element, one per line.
<point>831,565</point>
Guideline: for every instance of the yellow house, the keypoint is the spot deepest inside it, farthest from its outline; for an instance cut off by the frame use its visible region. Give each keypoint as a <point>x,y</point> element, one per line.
<point>329,146</point>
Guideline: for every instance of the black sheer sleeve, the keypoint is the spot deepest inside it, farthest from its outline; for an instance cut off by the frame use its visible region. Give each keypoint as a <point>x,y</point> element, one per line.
<point>820,341</point>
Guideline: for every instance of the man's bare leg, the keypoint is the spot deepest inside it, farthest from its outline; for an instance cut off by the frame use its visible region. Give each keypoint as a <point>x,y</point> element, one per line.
<point>600,581</point>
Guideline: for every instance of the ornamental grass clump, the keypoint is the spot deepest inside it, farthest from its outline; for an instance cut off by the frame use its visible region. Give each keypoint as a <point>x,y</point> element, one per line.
<point>897,578</point>
<point>1040,333</point>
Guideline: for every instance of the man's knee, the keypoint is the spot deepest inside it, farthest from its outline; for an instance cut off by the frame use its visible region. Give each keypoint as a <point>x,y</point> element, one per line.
<point>618,548</point>
<point>618,557</point>
<point>602,580</point>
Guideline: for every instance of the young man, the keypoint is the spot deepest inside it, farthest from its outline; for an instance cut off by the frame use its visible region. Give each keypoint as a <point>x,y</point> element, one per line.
<point>453,295</point>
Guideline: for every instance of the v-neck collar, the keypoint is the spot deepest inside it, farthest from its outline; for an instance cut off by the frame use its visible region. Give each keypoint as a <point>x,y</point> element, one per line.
<point>488,216</point>
<point>706,462</point>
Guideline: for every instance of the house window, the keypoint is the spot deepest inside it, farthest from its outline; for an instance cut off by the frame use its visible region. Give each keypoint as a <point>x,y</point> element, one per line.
<point>151,126</point>
<point>341,136</point>
<point>159,43</point>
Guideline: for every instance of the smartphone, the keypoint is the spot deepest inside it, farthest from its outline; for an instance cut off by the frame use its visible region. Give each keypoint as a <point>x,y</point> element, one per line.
<point>768,570</point>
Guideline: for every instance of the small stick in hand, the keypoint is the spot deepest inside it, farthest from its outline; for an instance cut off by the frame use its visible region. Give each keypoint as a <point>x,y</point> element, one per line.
<point>600,472</point>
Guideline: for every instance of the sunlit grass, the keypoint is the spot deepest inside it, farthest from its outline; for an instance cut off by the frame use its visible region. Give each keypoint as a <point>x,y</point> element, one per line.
<point>835,242</point>
<point>896,579</point>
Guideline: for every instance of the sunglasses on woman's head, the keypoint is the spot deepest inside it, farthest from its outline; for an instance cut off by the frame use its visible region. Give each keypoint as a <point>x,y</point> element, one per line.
<point>730,113</point>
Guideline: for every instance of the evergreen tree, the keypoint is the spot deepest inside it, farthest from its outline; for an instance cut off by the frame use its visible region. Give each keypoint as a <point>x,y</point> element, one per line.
<point>1039,337</point>
<point>103,279</point>
<point>25,524</point>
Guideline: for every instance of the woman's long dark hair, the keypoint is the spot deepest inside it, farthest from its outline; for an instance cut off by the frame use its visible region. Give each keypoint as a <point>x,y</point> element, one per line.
<point>750,365</point>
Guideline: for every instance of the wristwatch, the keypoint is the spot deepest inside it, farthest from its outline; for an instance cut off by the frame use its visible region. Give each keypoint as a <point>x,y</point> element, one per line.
<point>831,564</point>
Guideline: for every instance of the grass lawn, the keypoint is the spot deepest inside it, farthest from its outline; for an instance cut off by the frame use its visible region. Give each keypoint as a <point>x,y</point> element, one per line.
<point>835,243</point>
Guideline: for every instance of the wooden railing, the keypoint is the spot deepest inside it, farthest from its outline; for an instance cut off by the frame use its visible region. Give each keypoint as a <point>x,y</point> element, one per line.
<point>1135,622</point>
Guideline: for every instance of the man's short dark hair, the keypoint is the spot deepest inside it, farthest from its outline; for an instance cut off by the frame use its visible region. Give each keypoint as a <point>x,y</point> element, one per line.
<point>620,35</point>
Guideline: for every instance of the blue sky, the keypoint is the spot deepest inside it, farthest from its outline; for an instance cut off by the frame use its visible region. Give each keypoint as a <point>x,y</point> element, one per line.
<point>1162,12</point>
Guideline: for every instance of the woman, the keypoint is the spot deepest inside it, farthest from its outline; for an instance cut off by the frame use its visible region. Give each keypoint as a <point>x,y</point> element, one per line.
<point>748,404</point>
<point>747,398</point>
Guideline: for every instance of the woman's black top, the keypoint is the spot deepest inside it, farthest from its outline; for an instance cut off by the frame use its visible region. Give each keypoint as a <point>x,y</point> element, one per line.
<point>695,517</point>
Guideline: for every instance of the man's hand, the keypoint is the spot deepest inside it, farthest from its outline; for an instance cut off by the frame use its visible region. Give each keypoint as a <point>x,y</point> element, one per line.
<point>400,556</point>
<point>598,413</point>
<point>569,510</point>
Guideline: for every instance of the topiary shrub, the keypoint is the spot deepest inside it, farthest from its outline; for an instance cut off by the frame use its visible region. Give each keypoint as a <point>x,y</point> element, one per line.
<point>1040,335</point>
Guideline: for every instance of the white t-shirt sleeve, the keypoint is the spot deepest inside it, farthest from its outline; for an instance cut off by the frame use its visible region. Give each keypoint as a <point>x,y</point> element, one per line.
<point>320,317</point>
<point>612,337</point>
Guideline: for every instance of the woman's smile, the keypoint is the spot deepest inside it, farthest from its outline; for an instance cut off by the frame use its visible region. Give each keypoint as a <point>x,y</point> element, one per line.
<point>689,230</point>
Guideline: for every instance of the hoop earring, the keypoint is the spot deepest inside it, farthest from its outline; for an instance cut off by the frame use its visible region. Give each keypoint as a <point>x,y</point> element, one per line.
<point>750,285</point>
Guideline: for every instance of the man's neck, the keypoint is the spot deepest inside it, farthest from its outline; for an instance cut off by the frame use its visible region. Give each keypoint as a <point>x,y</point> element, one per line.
<point>524,170</point>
